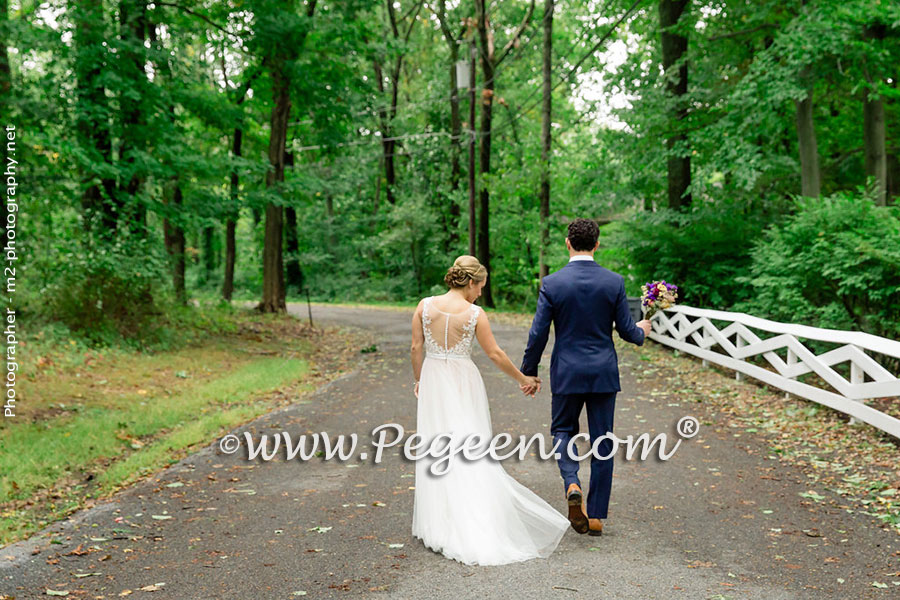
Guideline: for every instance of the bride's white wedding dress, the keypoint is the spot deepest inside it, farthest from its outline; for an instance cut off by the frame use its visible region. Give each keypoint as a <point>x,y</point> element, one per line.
<point>475,513</point>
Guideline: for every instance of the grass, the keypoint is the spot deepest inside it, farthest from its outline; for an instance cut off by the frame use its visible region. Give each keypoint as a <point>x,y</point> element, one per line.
<point>92,421</point>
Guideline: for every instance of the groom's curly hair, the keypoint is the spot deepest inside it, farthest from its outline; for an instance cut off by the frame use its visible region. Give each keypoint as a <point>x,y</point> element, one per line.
<point>583,234</point>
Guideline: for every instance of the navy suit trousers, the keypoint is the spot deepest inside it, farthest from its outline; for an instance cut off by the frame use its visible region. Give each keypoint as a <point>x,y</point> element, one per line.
<point>566,412</point>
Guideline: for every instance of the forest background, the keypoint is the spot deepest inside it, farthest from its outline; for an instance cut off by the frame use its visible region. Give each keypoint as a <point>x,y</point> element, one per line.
<point>748,151</point>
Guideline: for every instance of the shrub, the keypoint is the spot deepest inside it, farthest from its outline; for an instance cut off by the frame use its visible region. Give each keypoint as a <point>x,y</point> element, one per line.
<point>101,291</point>
<point>702,251</point>
<point>834,263</point>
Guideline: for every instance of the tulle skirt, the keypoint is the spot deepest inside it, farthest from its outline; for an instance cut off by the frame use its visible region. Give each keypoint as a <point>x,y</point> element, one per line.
<point>475,513</point>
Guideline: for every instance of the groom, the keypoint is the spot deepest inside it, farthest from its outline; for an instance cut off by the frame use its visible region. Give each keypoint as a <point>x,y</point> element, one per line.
<point>584,301</point>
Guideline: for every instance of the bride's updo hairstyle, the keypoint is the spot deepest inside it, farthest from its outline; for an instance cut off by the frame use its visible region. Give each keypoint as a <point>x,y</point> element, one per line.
<point>465,269</point>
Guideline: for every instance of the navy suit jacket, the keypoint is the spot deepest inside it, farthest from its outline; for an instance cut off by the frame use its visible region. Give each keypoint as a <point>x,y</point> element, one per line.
<point>584,301</point>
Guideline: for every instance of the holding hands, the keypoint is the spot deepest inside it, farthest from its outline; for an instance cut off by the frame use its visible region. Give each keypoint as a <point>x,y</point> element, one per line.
<point>531,385</point>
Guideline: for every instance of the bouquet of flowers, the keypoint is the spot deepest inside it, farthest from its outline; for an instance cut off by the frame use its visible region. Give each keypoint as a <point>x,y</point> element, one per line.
<point>656,296</point>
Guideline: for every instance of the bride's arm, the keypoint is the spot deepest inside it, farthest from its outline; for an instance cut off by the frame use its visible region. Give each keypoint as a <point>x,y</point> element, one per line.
<point>496,353</point>
<point>417,349</point>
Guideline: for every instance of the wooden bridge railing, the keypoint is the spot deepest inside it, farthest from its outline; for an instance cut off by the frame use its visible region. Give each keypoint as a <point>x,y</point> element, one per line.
<point>691,330</point>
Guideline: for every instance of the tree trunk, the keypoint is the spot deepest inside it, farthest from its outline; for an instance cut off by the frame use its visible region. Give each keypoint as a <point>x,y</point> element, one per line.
<point>273,299</point>
<point>452,40</point>
<point>810,177</point>
<point>209,253</point>
<point>273,265</point>
<point>175,244</point>
<point>484,148</point>
<point>893,178</point>
<point>378,187</point>
<point>674,47</point>
<point>455,149</point>
<point>874,133</point>
<point>546,140</point>
<point>291,242</point>
<point>133,31</point>
<point>874,130</point>
<point>173,225</point>
<point>893,169</point>
<point>386,118</point>
<point>99,201</point>
<point>390,172</point>
<point>329,213</point>
<point>235,210</point>
<point>401,28</point>
<point>231,221</point>
<point>230,255</point>
<point>471,175</point>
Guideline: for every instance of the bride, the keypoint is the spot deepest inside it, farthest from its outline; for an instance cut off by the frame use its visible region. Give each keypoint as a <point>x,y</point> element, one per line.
<point>475,512</point>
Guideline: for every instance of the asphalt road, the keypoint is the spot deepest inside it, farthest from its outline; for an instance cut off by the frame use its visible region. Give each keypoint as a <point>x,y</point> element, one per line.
<point>718,520</point>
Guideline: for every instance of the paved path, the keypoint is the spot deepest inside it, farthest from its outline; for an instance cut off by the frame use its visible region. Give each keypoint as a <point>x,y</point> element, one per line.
<point>692,527</point>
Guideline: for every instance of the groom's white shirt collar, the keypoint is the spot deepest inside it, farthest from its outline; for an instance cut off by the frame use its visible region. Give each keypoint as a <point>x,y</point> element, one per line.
<point>581,257</point>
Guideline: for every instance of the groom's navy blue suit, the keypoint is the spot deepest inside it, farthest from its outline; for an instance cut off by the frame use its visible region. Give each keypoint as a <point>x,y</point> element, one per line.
<point>584,301</point>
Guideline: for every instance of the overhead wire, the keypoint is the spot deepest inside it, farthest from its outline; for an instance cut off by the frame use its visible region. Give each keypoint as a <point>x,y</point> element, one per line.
<point>570,72</point>
<point>442,96</point>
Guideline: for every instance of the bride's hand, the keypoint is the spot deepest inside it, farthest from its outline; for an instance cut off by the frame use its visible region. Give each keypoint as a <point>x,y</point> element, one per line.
<point>416,389</point>
<point>532,385</point>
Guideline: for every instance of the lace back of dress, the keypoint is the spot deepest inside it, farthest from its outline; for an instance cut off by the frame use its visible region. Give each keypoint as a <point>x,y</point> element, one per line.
<point>448,334</point>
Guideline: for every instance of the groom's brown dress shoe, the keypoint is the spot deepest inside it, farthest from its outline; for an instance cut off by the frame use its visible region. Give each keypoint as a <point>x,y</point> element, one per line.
<point>595,527</point>
<point>576,517</point>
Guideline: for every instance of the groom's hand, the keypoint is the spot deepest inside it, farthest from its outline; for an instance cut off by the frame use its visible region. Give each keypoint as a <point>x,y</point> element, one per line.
<point>645,325</point>
<point>532,388</point>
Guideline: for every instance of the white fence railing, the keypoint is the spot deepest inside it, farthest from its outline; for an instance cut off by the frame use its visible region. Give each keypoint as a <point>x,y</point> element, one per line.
<point>690,330</point>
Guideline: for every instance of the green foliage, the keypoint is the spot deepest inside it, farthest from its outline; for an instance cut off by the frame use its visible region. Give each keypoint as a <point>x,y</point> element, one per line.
<point>834,263</point>
<point>120,113</point>
<point>102,292</point>
<point>702,251</point>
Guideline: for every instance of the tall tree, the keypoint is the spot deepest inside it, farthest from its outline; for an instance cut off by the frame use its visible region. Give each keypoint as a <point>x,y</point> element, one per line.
<point>282,53</point>
<point>174,240</point>
<point>489,63</point>
<point>390,67</point>
<point>273,299</point>
<point>173,200</point>
<point>132,97</point>
<point>810,177</point>
<point>674,48</point>
<point>546,140</point>
<point>874,127</point>
<point>99,200</point>
<point>291,242</point>
<point>473,216</point>
<point>237,140</point>
<point>453,42</point>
